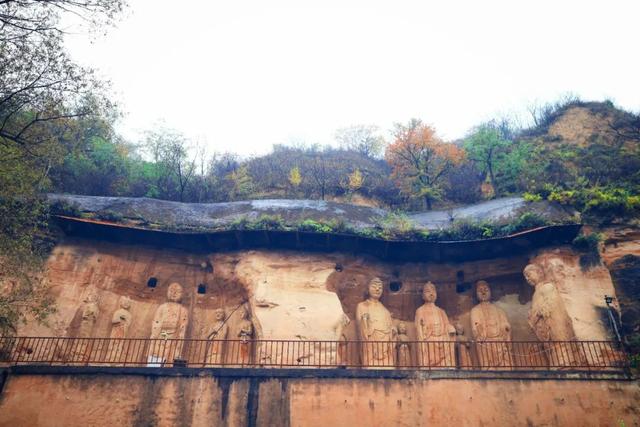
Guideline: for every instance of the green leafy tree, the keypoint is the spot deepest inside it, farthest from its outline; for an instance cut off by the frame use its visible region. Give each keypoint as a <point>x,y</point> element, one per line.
<point>42,94</point>
<point>485,146</point>
<point>174,169</point>
<point>241,183</point>
<point>100,168</point>
<point>499,158</point>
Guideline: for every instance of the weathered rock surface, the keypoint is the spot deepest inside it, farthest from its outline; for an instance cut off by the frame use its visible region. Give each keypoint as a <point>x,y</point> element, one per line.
<point>621,254</point>
<point>582,290</point>
<point>175,215</point>
<point>128,400</point>
<point>625,272</point>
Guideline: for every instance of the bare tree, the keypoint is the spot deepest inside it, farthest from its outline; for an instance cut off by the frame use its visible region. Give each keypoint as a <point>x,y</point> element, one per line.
<point>39,83</point>
<point>365,139</point>
<point>543,114</point>
<point>174,168</point>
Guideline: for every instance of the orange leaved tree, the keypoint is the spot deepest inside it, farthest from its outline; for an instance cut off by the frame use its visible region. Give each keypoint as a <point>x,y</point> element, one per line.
<point>420,160</point>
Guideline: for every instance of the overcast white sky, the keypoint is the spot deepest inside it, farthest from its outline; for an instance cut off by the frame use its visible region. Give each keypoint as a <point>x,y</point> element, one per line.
<point>243,75</point>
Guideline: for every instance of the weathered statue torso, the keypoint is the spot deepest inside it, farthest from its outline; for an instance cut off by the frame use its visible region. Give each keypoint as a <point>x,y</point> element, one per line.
<point>121,320</point>
<point>120,323</point>
<point>89,312</point>
<point>245,334</point>
<point>432,324</point>
<point>403,347</point>
<point>89,315</point>
<point>489,324</point>
<point>548,316</point>
<point>169,322</point>
<point>549,319</point>
<point>218,333</point>
<point>375,321</point>
<point>375,328</point>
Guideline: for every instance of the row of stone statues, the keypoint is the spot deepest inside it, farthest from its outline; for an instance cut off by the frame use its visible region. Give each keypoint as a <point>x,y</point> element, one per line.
<point>170,322</point>
<point>381,342</point>
<point>383,345</point>
<point>434,332</point>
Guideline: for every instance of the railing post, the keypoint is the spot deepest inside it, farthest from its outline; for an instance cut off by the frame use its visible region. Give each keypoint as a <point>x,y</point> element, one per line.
<point>88,356</point>
<point>17,349</point>
<point>126,354</point>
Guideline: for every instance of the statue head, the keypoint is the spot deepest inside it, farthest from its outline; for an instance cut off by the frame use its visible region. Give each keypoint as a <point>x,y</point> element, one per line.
<point>91,296</point>
<point>429,293</point>
<point>220,315</point>
<point>402,328</point>
<point>483,291</point>
<point>557,270</point>
<point>174,293</point>
<point>125,302</point>
<point>375,288</point>
<point>533,274</point>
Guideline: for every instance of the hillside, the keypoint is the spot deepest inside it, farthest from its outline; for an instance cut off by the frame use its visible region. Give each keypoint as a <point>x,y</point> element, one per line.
<point>583,123</point>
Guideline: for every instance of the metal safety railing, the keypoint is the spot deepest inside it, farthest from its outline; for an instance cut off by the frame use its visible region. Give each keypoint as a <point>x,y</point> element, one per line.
<point>472,355</point>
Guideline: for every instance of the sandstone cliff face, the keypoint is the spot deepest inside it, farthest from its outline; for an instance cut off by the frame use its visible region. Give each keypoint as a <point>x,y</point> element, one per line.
<point>621,254</point>
<point>302,296</point>
<point>582,289</point>
<point>125,400</point>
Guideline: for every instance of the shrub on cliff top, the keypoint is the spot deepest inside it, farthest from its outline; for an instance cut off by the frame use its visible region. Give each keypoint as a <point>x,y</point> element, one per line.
<point>62,207</point>
<point>315,226</point>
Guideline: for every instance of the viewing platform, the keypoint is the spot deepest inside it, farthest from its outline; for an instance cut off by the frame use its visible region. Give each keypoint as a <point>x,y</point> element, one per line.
<point>415,355</point>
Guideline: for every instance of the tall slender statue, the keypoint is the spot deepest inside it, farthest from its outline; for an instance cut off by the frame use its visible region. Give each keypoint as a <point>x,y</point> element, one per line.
<point>338,353</point>
<point>120,322</point>
<point>168,328</point>
<point>89,312</point>
<point>436,333</point>
<point>464,348</point>
<point>403,347</point>
<point>245,334</point>
<point>218,335</point>
<point>491,331</point>
<point>375,329</point>
<point>121,319</point>
<point>549,319</point>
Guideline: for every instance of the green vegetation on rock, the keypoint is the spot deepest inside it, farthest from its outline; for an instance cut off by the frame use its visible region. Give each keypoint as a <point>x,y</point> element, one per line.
<point>394,226</point>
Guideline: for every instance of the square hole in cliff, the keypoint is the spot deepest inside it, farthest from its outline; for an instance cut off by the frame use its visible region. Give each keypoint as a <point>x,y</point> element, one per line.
<point>152,282</point>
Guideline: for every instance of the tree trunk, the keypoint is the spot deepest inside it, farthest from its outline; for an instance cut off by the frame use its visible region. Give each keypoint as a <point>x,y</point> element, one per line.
<point>491,177</point>
<point>427,200</point>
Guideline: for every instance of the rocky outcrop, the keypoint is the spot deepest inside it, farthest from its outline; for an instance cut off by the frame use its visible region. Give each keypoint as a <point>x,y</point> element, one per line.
<point>583,291</point>
<point>625,272</point>
<point>163,214</point>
